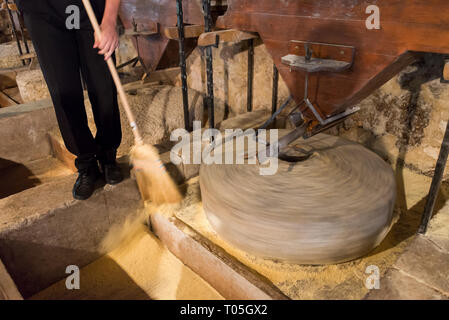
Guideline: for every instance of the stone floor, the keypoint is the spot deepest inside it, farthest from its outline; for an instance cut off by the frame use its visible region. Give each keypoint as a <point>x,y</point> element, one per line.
<point>422,271</point>
<point>410,266</point>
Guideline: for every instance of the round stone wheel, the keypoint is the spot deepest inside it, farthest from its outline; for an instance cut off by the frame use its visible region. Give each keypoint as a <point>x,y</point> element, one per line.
<point>333,207</point>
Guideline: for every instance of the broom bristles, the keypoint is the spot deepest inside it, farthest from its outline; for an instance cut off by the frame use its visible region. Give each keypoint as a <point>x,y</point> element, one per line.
<point>152,177</point>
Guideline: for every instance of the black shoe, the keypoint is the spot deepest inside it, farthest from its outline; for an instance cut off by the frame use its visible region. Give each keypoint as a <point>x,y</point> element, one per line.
<point>85,184</point>
<point>112,173</point>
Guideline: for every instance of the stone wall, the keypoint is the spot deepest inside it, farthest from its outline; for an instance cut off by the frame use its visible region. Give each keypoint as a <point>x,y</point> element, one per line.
<point>230,63</point>
<point>405,120</point>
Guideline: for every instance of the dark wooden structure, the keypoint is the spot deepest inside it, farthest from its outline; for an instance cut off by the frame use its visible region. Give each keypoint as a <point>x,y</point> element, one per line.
<point>348,60</point>
<point>153,25</point>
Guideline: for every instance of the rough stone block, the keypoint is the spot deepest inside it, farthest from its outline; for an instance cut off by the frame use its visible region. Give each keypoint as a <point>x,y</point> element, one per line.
<point>398,286</point>
<point>423,260</point>
<point>23,131</point>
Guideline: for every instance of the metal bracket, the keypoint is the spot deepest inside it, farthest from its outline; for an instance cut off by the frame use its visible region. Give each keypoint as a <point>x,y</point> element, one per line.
<point>319,57</point>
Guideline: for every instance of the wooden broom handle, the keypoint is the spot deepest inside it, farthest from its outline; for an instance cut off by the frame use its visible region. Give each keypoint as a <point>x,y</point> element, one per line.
<point>115,76</point>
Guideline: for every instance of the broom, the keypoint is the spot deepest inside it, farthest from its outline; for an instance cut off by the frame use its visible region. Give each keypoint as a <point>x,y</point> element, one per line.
<point>154,182</point>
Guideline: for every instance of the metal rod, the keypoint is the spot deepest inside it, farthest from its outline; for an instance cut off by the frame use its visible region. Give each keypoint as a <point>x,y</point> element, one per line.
<point>274,116</point>
<point>436,183</point>
<point>14,31</point>
<point>209,65</point>
<point>182,64</point>
<point>249,105</point>
<point>274,100</point>
<point>124,64</point>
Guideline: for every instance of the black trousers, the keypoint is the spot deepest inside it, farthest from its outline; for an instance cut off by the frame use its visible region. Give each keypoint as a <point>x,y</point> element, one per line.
<point>63,55</point>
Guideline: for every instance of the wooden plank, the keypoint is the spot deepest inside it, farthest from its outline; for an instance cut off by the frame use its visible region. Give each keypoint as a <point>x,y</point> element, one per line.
<point>323,50</point>
<point>192,31</point>
<point>232,35</point>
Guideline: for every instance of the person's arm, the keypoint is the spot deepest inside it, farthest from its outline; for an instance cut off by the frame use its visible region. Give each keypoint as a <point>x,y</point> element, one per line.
<point>109,40</point>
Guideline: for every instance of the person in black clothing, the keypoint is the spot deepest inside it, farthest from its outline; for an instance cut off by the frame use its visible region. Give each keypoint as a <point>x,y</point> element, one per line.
<point>68,49</point>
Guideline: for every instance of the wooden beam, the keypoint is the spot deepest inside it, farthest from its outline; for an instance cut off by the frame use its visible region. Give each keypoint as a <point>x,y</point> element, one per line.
<point>232,35</point>
<point>192,31</point>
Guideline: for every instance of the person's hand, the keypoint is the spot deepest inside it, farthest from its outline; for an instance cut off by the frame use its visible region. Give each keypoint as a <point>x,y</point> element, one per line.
<point>109,40</point>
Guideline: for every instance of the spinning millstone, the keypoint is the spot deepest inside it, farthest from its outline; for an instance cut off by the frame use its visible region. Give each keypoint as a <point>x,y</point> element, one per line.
<point>333,207</point>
